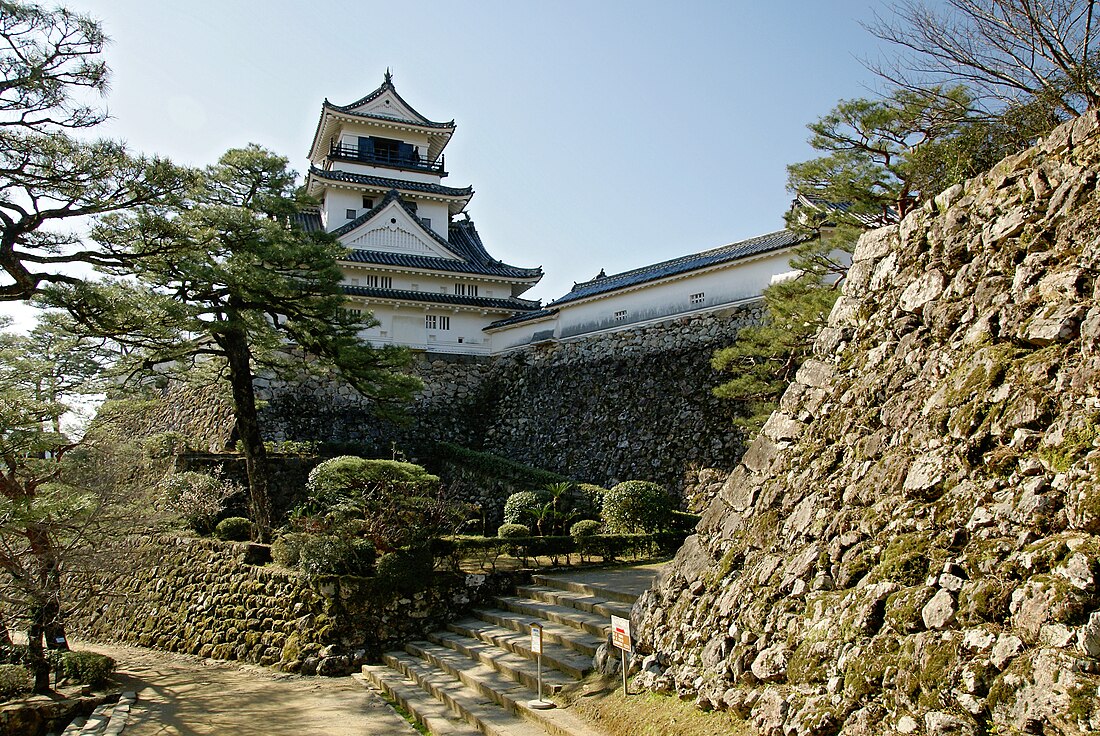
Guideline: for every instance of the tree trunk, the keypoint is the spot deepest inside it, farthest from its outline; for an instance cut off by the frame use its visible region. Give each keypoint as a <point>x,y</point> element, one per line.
<point>248,427</point>
<point>36,655</point>
<point>44,608</point>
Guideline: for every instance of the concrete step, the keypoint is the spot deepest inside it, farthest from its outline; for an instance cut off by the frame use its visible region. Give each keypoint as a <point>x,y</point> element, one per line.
<point>521,666</point>
<point>510,714</point>
<point>428,712</point>
<point>572,599</point>
<point>480,708</point>
<point>590,623</point>
<point>493,619</point>
<point>605,590</point>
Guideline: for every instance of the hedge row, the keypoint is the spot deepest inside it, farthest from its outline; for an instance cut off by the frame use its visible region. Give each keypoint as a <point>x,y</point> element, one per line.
<point>607,546</point>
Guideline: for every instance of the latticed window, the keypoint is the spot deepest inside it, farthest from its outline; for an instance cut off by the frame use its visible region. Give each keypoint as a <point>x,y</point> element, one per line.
<point>696,298</point>
<point>620,315</point>
<point>465,289</point>
<point>380,282</point>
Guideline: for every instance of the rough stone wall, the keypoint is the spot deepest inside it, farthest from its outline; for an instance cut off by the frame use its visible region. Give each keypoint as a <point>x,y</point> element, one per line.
<point>626,405</point>
<point>200,596</point>
<point>912,545</point>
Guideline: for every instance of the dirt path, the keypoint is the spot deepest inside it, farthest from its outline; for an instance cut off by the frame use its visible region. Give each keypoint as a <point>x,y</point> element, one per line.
<point>180,695</point>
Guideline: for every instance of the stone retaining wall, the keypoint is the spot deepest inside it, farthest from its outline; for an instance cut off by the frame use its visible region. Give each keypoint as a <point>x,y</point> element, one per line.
<point>200,596</point>
<point>634,404</point>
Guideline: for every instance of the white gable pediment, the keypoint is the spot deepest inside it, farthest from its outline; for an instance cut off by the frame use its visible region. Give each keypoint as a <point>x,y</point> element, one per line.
<point>394,230</point>
<point>388,105</point>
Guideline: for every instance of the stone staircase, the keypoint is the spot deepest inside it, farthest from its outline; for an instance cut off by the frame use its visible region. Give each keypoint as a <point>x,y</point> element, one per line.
<point>479,674</point>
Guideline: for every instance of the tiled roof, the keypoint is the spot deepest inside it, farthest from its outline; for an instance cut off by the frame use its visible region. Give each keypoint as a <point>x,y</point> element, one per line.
<point>726,254</point>
<point>386,85</point>
<point>463,240</point>
<point>517,319</point>
<point>887,217</point>
<point>308,220</point>
<point>512,303</point>
<point>382,181</point>
<point>431,263</point>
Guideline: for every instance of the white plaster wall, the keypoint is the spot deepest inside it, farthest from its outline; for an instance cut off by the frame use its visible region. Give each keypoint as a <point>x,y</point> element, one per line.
<point>734,283</point>
<point>405,326</point>
<point>737,282</point>
<point>338,201</point>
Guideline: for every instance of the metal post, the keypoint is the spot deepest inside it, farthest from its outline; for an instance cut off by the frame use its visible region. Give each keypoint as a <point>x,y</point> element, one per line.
<point>624,672</point>
<point>540,674</point>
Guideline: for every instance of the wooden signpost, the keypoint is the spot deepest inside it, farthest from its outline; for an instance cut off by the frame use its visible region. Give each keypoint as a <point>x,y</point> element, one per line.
<point>620,637</point>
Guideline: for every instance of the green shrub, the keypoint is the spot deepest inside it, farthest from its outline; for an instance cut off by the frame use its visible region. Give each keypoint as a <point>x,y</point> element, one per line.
<point>286,549</point>
<point>164,445</point>
<point>511,531</point>
<point>405,570</point>
<point>196,498</point>
<point>636,506</point>
<point>15,680</point>
<point>682,521</point>
<point>356,481</point>
<point>328,554</point>
<point>521,507</point>
<point>584,528</point>
<point>234,529</point>
<point>86,668</point>
<point>588,500</point>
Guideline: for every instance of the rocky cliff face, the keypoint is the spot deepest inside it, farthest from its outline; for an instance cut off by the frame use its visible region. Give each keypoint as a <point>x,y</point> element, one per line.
<point>911,545</point>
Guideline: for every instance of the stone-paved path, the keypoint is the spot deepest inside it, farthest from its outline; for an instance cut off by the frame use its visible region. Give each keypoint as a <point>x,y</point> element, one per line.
<point>178,695</point>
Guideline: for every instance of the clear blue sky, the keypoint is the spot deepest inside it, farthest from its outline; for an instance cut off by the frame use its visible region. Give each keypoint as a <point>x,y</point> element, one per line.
<point>596,134</point>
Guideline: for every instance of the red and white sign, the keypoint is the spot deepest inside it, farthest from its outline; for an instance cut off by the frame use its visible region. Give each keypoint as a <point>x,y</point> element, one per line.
<point>620,633</point>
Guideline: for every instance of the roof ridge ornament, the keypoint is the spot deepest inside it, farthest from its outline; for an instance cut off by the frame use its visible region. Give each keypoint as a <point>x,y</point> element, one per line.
<point>389,77</point>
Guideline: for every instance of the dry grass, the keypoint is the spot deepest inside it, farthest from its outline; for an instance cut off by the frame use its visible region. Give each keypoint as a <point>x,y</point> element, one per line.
<point>600,701</point>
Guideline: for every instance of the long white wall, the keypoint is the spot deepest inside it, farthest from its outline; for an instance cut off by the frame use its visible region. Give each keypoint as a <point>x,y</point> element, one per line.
<point>698,292</point>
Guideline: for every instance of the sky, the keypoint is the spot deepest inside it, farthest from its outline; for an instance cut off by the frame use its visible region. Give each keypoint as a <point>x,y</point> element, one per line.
<point>597,134</point>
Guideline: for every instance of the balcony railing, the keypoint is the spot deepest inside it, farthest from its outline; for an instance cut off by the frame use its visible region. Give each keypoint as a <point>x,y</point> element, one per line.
<point>393,159</point>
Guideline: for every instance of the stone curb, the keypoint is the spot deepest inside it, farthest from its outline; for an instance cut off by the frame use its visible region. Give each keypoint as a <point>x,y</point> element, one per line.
<point>106,720</point>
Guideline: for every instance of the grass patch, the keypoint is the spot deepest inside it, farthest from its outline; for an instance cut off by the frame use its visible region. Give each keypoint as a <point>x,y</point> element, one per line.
<point>420,727</point>
<point>600,701</point>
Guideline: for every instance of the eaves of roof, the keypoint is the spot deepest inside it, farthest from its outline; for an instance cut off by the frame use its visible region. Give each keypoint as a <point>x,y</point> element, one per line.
<point>521,318</point>
<point>387,183</point>
<point>510,304</point>
<point>431,263</point>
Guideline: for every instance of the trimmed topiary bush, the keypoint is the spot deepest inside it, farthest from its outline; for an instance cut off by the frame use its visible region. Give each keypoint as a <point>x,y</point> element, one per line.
<point>327,554</point>
<point>354,480</point>
<point>521,507</point>
<point>406,570</point>
<point>637,506</point>
<point>234,529</point>
<point>286,549</point>
<point>86,668</point>
<point>585,528</point>
<point>513,531</point>
<point>15,680</point>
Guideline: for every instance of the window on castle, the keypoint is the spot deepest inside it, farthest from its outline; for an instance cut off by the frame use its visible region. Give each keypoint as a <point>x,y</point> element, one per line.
<point>620,315</point>
<point>350,214</point>
<point>368,203</point>
<point>465,289</point>
<point>352,313</point>
<point>380,282</point>
<point>696,298</point>
<point>426,222</point>
<point>437,322</point>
